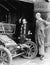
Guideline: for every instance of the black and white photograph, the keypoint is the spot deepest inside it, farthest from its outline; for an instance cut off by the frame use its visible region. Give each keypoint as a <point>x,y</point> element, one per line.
<point>24,32</point>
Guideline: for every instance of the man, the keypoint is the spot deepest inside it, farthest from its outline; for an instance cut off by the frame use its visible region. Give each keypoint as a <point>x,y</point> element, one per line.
<point>39,34</point>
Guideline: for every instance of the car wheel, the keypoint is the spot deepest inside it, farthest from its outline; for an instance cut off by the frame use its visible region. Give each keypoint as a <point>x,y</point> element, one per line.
<point>32,51</point>
<point>5,56</point>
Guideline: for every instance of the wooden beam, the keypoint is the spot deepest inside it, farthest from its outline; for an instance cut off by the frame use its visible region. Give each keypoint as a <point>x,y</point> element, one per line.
<point>29,1</point>
<point>4,7</point>
<point>12,6</point>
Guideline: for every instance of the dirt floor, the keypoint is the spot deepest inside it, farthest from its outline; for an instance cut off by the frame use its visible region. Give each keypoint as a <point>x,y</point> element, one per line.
<point>36,61</point>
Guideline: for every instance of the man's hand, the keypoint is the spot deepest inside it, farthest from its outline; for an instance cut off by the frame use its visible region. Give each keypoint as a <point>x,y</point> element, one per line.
<point>44,21</point>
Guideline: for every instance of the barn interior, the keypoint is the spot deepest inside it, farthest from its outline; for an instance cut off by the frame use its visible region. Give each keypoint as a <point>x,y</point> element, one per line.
<point>12,10</point>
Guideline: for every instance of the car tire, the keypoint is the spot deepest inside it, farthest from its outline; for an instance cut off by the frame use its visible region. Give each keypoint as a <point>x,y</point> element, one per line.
<point>5,55</point>
<point>32,50</point>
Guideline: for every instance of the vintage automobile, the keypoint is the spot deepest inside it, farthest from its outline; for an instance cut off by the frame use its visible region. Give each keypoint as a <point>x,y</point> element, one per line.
<point>9,48</point>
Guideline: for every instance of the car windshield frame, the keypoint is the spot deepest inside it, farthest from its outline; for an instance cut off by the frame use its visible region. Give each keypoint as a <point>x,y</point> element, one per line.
<point>7,28</point>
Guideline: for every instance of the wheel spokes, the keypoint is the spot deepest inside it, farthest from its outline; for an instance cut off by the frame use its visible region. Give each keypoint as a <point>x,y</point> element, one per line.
<point>1,53</point>
<point>29,54</point>
<point>5,59</point>
<point>30,51</point>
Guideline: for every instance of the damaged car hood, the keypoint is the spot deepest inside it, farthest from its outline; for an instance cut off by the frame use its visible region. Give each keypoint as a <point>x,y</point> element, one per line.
<point>7,40</point>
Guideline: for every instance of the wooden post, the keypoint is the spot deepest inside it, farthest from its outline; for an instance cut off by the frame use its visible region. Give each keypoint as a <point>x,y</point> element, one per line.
<point>48,14</point>
<point>9,18</point>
